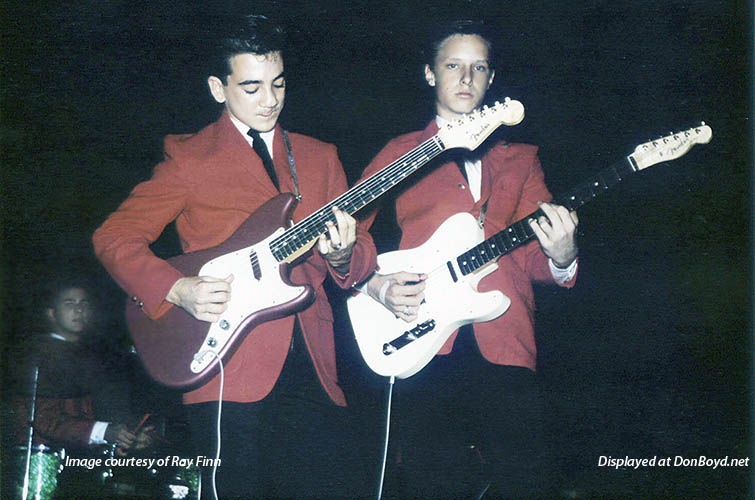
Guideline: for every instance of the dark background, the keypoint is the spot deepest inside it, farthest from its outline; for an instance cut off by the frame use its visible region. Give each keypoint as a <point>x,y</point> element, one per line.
<point>650,354</point>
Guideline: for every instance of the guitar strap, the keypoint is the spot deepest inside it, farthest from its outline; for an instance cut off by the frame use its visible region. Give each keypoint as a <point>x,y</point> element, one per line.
<point>291,164</point>
<point>483,211</point>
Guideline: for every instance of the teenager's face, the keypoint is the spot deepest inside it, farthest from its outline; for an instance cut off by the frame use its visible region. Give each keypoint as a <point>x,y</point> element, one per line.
<point>461,75</point>
<point>255,89</point>
<point>72,312</point>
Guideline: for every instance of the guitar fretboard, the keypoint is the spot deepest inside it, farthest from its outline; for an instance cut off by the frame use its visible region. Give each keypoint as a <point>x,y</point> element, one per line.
<point>311,227</point>
<point>520,232</point>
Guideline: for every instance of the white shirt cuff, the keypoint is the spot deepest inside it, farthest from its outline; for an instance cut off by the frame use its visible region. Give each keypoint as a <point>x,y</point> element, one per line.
<point>98,433</point>
<point>562,276</point>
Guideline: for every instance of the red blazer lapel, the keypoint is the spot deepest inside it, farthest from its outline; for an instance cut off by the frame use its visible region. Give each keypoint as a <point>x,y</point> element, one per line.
<point>233,145</point>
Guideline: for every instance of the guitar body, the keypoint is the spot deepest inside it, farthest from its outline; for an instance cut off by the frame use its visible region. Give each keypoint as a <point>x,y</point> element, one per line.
<point>451,301</point>
<point>180,351</point>
<point>456,258</point>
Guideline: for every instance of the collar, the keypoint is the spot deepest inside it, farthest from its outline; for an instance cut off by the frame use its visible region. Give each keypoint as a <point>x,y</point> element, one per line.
<point>268,137</point>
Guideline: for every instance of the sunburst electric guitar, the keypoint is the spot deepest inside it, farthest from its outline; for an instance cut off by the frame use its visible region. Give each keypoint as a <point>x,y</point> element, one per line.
<point>457,257</point>
<point>180,351</point>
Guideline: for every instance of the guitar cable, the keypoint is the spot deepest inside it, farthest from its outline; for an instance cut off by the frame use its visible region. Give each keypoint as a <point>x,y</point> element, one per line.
<point>387,433</point>
<point>198,357</point>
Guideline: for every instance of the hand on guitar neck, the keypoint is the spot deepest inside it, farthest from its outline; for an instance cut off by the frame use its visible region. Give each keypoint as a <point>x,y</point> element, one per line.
<point>336,244</point>
<point>557,233</point>
<point>402,293</point>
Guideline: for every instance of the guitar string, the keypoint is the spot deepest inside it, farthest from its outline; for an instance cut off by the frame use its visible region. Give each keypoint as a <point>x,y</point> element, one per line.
<point>373,185</point>
<point>319,218</point>
<point>314,224</point>
<point>370,186</point>
<point>316,221</point>
<point>498,237</point>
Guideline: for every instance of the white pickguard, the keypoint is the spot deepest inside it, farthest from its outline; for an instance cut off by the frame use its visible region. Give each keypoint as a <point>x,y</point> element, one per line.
<point>259,294</point>
<point>450,304</point>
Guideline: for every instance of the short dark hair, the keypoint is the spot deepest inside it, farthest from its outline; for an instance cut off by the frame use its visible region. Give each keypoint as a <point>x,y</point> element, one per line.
<point>59,284</point>
<point>443,30</point>
<point>247,34</point>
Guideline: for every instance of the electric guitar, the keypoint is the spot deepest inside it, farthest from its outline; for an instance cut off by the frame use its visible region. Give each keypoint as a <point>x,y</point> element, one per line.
<point>457,257</point>
<point>180,351</point>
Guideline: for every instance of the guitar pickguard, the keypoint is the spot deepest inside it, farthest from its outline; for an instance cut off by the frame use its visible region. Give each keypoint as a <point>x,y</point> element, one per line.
<point>392,347</point>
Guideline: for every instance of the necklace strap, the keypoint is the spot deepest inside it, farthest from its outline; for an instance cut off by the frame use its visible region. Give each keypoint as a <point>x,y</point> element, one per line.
<point>291,164</point>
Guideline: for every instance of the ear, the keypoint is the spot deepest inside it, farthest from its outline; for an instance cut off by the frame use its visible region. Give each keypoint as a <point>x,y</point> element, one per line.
<point>50,313</point>
<point>429,76</point>
<point>490,81</point>
<point>217,89</point>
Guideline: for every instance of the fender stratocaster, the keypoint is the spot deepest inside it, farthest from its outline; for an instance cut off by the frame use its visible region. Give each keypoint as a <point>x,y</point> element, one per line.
<point>180,351</point>
<point>456,258</point>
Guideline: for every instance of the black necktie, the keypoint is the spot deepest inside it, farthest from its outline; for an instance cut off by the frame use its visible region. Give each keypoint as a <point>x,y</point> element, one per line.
<point>259,146</point>
<point>460,156</point>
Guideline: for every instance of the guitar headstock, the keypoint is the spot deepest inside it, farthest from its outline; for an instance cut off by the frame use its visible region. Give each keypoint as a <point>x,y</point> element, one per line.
<point>472,130</point>
<point>670,147</point>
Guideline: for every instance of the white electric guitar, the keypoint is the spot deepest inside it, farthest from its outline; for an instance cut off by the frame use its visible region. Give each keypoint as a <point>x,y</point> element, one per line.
<point>180,351</point>
<point>457,257</point>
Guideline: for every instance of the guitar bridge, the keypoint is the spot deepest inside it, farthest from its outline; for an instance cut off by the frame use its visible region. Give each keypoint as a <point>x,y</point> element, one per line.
<point>408,337</point>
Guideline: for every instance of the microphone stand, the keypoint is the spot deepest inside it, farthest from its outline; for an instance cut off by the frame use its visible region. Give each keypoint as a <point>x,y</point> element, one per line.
<point>25,490</point>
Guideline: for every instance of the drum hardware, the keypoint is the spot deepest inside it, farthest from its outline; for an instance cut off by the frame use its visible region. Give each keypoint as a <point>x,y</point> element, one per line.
<point>30,435</point>
<point>42,466</point>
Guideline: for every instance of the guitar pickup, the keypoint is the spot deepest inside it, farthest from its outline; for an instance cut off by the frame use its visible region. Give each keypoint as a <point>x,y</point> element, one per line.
<point>254,260</point>
<point>408,337</point>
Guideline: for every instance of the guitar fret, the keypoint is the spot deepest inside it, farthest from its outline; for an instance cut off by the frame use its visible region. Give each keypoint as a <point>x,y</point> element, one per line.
<point>487,251</point>
<point>463,262</point>
<point>509,237</point>
<point>519,233</point>
<point>475,258</point>
<point>353,200</point>
<point>498,243</point>
<point>370,189</point>
<point>604,181</point>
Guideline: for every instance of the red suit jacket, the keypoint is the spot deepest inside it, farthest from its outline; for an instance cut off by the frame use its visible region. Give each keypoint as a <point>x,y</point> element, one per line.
<point>513,182</point>
<point>209,183</point>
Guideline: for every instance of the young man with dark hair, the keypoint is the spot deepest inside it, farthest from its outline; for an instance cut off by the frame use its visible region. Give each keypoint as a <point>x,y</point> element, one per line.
<point>479,400</point>
<point>72,383</point>
<point>282,429</point>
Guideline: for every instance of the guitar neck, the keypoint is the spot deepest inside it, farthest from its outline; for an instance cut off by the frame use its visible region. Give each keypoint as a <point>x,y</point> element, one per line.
<point>305,232</point>
<point>520,232</point>
<point>468,132</point>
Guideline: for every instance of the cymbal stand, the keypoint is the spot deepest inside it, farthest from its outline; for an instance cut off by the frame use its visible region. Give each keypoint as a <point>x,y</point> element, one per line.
<point>27,463</point>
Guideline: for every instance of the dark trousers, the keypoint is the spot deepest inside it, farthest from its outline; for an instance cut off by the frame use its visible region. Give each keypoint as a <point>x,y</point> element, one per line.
<point>462,426</point>
<point>294,444</point>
